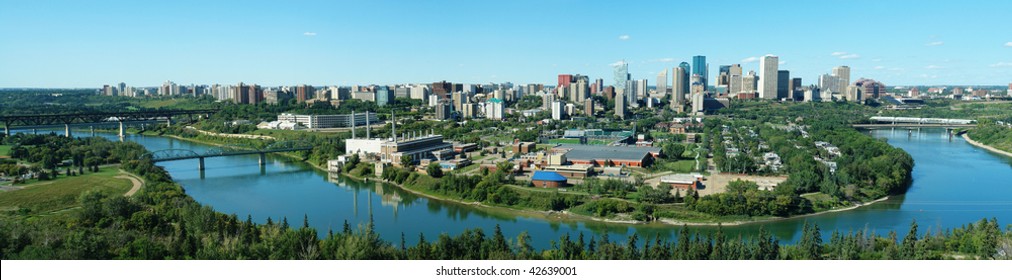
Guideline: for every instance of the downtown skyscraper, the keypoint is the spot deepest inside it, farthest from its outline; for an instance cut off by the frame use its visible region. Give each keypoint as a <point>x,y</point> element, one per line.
<point>768,76</point>
<point>699,67</point>
<point>621,74</point>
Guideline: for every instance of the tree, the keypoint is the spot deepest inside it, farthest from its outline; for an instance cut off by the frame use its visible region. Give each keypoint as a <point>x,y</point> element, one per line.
<point>407,161</point>
<point>434,170</point>
<point>673,151</point>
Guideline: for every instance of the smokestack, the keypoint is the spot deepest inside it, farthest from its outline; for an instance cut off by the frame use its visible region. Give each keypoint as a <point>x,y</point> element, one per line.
<point>354,122</point>
<point>368,129</point>
<point>393,125</point>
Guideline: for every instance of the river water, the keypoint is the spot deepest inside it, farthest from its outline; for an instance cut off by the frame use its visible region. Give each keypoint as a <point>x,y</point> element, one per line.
<point>954,184</point>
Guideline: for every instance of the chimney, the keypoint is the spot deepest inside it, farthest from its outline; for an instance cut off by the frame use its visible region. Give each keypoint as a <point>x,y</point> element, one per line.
<point>393,126</point>
<point>368,129</point>
<point>354,122</point>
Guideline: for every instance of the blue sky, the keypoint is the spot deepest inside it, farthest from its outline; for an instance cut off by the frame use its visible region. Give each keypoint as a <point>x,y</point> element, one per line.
<point>143,43</point>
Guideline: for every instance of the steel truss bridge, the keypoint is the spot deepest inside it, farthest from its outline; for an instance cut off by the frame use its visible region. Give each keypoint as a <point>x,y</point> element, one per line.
<point>11,121</point>
<point>224,151</point>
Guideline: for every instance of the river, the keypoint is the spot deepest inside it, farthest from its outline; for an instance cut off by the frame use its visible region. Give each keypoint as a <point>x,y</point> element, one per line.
<point>954,183</point>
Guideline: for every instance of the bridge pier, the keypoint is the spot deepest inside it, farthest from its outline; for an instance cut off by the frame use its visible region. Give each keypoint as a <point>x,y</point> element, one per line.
<point>200,164</point>
<point>168,121</point>
<point>92,130</point>
<point>7,130</point>
<point>35,131</point>
<point>263,159</point>
<point>122,130</point>
<point>66,130</point>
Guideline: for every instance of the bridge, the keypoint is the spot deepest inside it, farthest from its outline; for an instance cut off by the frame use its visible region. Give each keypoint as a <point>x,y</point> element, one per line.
<point>67,120</point>
<point>883,122</point>
<point>224,151</point>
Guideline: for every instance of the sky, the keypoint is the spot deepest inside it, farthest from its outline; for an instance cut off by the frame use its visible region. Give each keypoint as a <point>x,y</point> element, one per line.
<point>144,43</point>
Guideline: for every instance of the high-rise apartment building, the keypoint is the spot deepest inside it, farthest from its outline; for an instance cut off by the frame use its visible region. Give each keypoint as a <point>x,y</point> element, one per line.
<point>662,83</point>
<point>565,80</point>
<point>620,101</point>
<point>304,92</point>
<point>679,87</point>
<point>768,65</point>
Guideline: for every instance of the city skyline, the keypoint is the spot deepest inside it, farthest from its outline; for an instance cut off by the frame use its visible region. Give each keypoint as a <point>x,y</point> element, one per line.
<point>69,44</point>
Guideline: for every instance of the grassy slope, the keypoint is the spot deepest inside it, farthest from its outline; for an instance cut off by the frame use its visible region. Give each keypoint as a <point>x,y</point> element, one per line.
<point>5,150</point>
<point>60,194</point>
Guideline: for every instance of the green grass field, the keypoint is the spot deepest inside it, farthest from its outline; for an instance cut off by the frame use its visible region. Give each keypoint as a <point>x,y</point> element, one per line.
<point>49,196</point>
<point>5,150</point>
<point>681,166</point>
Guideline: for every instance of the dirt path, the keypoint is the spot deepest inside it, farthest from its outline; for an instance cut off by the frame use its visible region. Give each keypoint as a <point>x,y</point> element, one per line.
<point>136,184</point>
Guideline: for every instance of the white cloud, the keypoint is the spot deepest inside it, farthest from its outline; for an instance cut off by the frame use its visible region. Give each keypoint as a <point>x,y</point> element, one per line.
<point>616,63</point>
<point>666,59</point>
<point>880,67</point>
<point>624,37</point>
<point>309,34</point>
<point>934,67</point>
<point>1008,45</point>
<point>1002,64</point>
<point>782,62</point>
<point>876,60</point>
<point>850,56</point>
<point>750,59</point>
<point>935,43</point>
<point>838,53</point>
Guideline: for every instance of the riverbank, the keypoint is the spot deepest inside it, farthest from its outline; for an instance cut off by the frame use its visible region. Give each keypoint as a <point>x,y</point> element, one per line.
<point>966,136</point>
<point>564,215</point>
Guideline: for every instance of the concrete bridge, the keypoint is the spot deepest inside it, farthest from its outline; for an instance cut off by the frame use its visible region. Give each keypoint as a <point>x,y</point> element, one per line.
<point>224,151</point>
<point>913,125</point>
<point>96,118</point>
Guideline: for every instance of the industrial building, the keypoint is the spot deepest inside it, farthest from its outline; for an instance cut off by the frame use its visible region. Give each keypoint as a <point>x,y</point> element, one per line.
<point>609,155</point>
<point>329,121</point>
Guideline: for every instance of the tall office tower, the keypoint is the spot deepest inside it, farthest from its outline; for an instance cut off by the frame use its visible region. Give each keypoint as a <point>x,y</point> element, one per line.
<point>842,74</point>
<point>749,83</point>
<point>783,84</point>
<point>687,71</point>
<point>620,101</point>
<point>621,74</point>
<point>696,84</point>
<point>735,69</point>
<point>724,75</point>
<point>735,86</point>
<point>383,96</point>
<point>303,93</point>
<point>797,93</point>
<point>557,110</point>
<point>577,78</point>
<point>828,84</point>
<point>599,86</point>
<point>679,86</point>
<point>459,98</point>
<point>588,107</point>
<point>768,77</point>
<point>699,67</point>
<point>564,80</point>
<point>662,83</point>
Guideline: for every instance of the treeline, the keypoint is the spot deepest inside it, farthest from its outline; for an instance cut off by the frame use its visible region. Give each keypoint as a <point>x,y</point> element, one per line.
<point>994,135</point>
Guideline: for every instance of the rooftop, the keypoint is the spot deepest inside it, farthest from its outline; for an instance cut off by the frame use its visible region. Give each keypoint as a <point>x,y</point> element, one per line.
<point>587,152</point>
<point>547,176</point>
